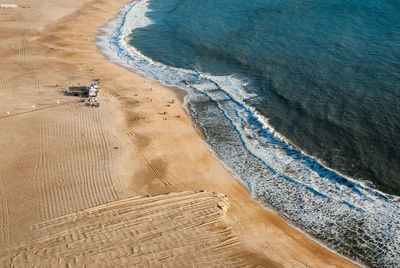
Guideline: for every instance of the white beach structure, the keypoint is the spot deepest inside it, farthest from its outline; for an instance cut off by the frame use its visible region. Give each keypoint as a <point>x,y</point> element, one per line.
<point>87,92</point>
<point>93,88</point>
<point>8,6</point>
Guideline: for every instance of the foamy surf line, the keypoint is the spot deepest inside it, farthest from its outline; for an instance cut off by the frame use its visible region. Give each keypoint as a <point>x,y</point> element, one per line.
<point>346,215</point>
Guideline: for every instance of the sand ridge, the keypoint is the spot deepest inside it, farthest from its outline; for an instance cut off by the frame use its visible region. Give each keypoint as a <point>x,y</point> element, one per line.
<point>185,230</point>
<point>60,159</point>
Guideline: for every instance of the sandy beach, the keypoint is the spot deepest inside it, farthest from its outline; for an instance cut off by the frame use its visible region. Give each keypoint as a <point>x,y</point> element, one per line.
<point>67,169</point>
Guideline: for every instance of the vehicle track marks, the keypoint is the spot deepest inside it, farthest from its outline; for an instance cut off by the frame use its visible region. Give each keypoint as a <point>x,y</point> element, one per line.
<point>81,167</point>
<point>183,229</point>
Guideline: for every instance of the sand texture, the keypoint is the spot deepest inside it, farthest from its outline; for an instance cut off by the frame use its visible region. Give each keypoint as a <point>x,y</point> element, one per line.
<point>59,157</point>
<point>181,229</point>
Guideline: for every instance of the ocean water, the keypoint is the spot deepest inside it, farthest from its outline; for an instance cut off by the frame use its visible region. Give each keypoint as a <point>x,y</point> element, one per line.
<point>300,100</point>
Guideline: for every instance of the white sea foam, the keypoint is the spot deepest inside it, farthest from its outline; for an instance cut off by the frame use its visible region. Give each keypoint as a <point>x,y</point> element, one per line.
<point>349,216</point>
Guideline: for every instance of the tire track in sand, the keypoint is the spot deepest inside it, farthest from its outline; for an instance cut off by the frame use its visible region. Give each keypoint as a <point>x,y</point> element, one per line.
<point>5,238</point>
<point>179,229</point>
<point>74,160</point>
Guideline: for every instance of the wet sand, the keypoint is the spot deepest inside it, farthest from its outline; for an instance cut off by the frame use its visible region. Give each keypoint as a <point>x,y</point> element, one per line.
<point>67,159</point>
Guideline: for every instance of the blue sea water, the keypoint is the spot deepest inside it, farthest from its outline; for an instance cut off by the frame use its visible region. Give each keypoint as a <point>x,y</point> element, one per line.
<point>326,73</point>
<point>299,99</point>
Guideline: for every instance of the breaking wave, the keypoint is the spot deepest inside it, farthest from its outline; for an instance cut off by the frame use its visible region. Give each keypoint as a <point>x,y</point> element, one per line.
<point>345,214</point>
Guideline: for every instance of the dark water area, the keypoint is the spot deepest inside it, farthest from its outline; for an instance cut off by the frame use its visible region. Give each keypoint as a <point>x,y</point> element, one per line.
<point>299,100</point>
<point>325,73</point>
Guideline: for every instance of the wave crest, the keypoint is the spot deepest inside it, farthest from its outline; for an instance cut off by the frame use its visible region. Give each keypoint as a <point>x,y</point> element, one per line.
<point>350,217</point>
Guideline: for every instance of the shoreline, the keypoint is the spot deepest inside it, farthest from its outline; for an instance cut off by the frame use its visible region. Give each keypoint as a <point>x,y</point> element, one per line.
<point>181,94</point>
<point>75,158</point>
<point>366,192</point>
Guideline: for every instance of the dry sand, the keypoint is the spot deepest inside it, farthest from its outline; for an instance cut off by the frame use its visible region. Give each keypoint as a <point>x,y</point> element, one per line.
<point>59,159</point>
<point>120,235</point>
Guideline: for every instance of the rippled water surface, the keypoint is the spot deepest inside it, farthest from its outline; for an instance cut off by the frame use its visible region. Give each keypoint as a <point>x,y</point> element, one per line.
<point>326,73</point>
<point>290,95</point>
